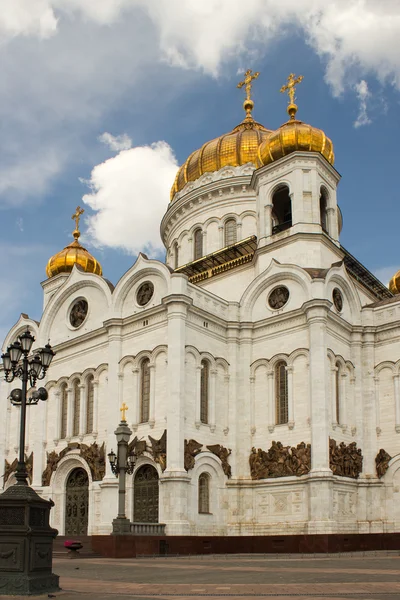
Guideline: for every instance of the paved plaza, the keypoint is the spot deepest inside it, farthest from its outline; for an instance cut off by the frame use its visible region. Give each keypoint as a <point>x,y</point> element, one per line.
<point>370,576</point>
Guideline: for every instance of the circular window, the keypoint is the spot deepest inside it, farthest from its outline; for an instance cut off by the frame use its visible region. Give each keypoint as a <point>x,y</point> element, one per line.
<point>337,299</point>
<point>145,293</point>
<point>78,312</point>
<point>278,297</point>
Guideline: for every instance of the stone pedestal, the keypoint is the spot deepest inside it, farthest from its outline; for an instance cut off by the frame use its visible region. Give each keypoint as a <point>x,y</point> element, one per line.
<point>26,543</point>
<point>121,526</point>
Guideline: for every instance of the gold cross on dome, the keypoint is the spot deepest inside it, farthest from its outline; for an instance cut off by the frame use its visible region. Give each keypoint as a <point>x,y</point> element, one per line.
<point>290,87</point>
<point>249,76</point>
<point>77,215</point>
<point>123,410</point>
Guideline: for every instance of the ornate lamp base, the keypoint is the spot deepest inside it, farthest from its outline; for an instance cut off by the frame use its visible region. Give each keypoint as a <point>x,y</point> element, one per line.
<point>26,543</point>
<point>121,526</point>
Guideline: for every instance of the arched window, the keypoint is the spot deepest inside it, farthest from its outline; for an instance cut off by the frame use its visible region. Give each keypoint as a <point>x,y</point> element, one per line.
<point>198,244</point>
<point>204,390</point>
<point>176,255</point>
<point>230,232</point>
<point>145,390</point>
<point>77,407</point>
<point>204,493</point>
<point>281,393</point>
<point>64,411</point>
<point>90,404</point>
<point>323,210</point>
<point>281,210</point>
<point>337,392</point>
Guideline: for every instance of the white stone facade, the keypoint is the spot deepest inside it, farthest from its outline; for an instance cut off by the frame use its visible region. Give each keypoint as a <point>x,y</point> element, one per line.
<point>342,366</point>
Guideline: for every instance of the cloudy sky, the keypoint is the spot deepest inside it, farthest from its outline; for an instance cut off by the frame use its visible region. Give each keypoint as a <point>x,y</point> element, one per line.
<point>101,100</point>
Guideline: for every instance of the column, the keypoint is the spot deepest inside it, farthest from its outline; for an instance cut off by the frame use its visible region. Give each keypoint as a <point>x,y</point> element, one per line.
<point>57,402</point>
<point>198,399</point>
<point>152,395</point>
<point>268,220</point>
<point>135,415</point>
<point>369,448</point>
<point>213,398</point>
<point>221,236</point>
<point>271,401</point>
<point>83,409</point>
<point>227,403</point>
<point>332,387</point>
<point>113,390</point>
<point>70,412</point>
<point>397,402</point>
<point>289,371</point>
<point>243,426</point>
<point>95,407</point>
<point>343,402</point>
<point>252,405</point>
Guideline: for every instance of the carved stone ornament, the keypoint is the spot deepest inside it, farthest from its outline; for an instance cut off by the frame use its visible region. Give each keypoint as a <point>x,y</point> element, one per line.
<point>159,450</point>
<point>223,454</point>
<point>95,458</point>
<point>337,299</point>
<point>382,462</point>
<point>52,461</point>
<point>280,461</point>
<point>345,461</point>
<point>278,297</point>
<point>192,449</point>
<point>78,312</point>
<point>145,293</point>
<point>10,468</point>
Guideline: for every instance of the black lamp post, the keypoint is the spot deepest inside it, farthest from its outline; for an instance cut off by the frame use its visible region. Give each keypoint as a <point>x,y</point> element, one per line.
<point>26,538</point>
<point>18,363</point>
<point>120,465</point>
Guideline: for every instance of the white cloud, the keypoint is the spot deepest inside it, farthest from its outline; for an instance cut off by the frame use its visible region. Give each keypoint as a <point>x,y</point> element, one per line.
<point>129,194</point>
<point>362,94</point>
<point>116,142</point>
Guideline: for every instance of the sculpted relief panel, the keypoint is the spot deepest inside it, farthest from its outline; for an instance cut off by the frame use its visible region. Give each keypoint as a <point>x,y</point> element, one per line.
<point>345,461</point>
<point>280,461</point>
<point>280,504</point>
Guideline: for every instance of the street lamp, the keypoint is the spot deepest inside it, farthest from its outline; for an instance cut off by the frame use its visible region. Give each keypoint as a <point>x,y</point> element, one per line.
<point>26,538</point>
<point>18,363</point>
<point>121,464</point>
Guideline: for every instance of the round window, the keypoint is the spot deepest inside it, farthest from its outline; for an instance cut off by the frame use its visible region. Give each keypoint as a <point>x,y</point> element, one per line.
<point>278,297</point>
<point>78,312</point>
<point>337,299</point>
<point>145,293</point>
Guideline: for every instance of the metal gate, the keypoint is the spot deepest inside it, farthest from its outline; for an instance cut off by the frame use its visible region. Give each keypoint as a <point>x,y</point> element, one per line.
<point>77,503</point>
<point>145,505</point>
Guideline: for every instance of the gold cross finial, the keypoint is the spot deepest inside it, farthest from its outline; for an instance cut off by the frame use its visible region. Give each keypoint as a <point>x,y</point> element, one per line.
<point>123,410</point>
<point>249,77</point>
<point>76,217</point>
<point>290,87</point>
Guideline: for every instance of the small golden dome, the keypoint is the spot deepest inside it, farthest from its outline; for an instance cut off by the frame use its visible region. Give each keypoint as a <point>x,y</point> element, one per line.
<point>394,284</point>
<point>73,254</point>
<point>235,148</point>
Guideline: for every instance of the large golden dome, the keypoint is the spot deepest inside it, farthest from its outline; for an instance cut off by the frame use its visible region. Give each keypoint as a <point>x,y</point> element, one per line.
<point>394,284</point>
<point>235,148</point>
<point>73,254</point>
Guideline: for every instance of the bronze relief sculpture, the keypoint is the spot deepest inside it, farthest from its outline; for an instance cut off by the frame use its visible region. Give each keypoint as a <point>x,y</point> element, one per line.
<point>192,449</point>
<point>159,450</point>
<point>223,454</point>
<point>345,460</point>
<point>280,461</point>
<point>95,457</point>
<point>382,462</point>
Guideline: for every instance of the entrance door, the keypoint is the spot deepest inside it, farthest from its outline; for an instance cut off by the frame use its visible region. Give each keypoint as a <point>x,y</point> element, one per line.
<point>77,503</point>
<point>145,505</point>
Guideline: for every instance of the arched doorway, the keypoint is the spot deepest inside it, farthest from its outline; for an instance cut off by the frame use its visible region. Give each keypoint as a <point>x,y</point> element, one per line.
<point>145,505</point>
<point>77,503</point>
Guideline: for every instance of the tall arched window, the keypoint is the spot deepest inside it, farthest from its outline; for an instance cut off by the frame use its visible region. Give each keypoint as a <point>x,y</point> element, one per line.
<point>281,210</point>
<point>204,493</point>
<point>323,210</point>
<point>204,390</point>
<point>145,390</point>
<point>90,404</point>
<point>230,232</point>
<point>64,411</point>
<point>281,393</point>
<point>198,244</point>
<point>337,391</point>
<point>176,255</point>
<point>77,407</point>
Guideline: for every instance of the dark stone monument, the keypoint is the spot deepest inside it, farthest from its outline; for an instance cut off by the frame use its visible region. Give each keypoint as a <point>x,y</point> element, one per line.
<point>26,543</point>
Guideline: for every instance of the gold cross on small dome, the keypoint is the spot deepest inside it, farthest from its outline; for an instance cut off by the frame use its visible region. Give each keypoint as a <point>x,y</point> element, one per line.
<point>123,410</point>
<point>77,215</point>
<point>290,87</point>
<point>249,76</point>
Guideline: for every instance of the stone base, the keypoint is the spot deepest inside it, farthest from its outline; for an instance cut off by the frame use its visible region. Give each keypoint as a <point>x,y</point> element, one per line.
<point>121,526</point>
<point>22,585</point>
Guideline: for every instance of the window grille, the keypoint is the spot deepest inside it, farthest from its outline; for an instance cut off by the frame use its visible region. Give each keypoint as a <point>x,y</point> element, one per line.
<point>198,244</point>
<point>204,391</point>
<point>230,232</point>
<point>281,393</point>
<point>77,407</point>
<point>64,411</point>
<point>145,391</point>
<point>90,404</point>
<point>204,493</point>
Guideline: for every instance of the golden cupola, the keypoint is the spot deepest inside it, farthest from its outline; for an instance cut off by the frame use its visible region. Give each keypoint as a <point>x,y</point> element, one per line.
<point>294,134</point>
<point>394,284</point>
<point>73,254</point>
<point>236,148</point>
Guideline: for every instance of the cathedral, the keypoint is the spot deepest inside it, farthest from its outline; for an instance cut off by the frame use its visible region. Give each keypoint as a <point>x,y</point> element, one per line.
<point>260,364</point>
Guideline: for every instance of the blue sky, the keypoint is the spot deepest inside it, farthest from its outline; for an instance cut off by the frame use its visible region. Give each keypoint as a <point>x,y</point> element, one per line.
<point>162,74</point>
